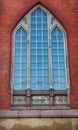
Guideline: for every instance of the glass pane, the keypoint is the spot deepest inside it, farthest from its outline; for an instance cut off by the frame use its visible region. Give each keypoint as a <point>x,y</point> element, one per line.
<point>23,65</point>
<point>17,58</point>
<point>33,87</point>
<point>55,65</point>
<point>39,79</point>
<point>60,52</point>
<point>61,65</point>
<point>39,44</point>
<point>56,86</point>
<point>16,86</point>
<point>55,72</point>
<point>61,58</point>
<point>54,44</point>
<point>39,58</point>
<point>33,65</point>
<point>33,51</point>
<point>23,73</point>
<point>17,51</point>
<point>23,79</point>
<point>62,72</point>
<point>62,79</point>
<point>45,51</point>
<point>46,44</point>
<point>33,58</point>
<point>33,72</point>
<point>54,38</point>
<point>46,65</point>
<point>45,58</point>
<point>33,79</point>
<point>45,72</point>
<point>23,86</point>
<point>39,51</point>
<point>54,58</point>
<point>60,38</point>
<point>54,52</point>
<point>17,79</point>
<point>56,79</point>
<point>33,31</point>
<point>46,79</point>
<point>33,44</point>
<point>39,72</point>
<point>17,73</point>
<point>39,65</point>
<point>62,86</point>
<point>16,66</point>
<point>24,59</point>
<point>60,45</point>
<point>46,86</point>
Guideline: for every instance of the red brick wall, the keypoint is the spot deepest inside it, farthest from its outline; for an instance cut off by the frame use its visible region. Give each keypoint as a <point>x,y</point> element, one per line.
<point>11,11</point>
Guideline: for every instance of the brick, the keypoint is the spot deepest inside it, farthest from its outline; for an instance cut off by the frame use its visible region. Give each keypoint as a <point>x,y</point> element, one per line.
<point>10,13</point>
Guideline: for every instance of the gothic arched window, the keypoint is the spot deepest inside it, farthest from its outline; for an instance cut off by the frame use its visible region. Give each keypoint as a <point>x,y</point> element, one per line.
<point>40,66</point>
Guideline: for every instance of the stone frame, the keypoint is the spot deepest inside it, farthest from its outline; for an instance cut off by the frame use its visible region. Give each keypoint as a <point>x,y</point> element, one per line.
<point>51,93</point>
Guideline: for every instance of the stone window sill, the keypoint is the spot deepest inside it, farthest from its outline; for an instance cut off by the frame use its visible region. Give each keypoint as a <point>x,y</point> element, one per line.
<point>38,113</point>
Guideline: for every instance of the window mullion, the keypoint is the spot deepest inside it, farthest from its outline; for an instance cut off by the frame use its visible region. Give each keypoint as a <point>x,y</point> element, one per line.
<point>50,68</point>
<point>50,54</point>
<point>20,59</point>
<point>28,62</point>
<point>66,64</point>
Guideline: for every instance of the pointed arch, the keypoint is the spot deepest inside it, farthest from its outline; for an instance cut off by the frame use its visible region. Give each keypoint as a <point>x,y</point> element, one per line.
<point>58,59</point>
<point>44,58</point>
<point>20,59</point>
<point>39,42</point>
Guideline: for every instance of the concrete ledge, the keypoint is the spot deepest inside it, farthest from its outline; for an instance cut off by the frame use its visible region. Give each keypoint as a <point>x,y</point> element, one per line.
<point>38,113</point>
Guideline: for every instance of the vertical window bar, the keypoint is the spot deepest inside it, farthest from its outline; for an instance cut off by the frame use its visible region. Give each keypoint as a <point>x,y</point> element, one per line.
<point>50,54</point>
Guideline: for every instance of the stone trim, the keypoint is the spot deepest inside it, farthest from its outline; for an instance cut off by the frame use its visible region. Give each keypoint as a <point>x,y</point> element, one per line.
<point>29,93</point>
<point>38,113</point>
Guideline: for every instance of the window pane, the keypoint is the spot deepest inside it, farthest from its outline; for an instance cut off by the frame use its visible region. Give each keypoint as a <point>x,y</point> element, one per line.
<point>56,79</point>
<point>61,65</point>
<point>54,51</point>
<point>62,72</point>
<point>55,72</point>
<point>54,58</point>
<point>17,72</point>
<point>16,86</point>
<point>55,65</point>
<point>54,44</point>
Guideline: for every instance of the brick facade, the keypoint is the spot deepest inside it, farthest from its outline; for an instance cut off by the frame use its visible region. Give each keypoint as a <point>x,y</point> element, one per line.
<point>11,13</point>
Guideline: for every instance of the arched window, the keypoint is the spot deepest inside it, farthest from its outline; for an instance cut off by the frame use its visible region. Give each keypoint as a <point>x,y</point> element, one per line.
<point>20,60</point>
<point>39,50</point>
<point>58,59</point>
<point>40,66</point>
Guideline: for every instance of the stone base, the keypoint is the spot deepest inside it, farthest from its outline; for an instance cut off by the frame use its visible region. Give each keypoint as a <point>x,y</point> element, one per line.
<point>39,124</point>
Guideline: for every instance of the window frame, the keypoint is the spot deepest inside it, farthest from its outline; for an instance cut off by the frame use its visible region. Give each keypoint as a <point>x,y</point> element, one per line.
<point>65,50</point>
<point>28,92</point>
